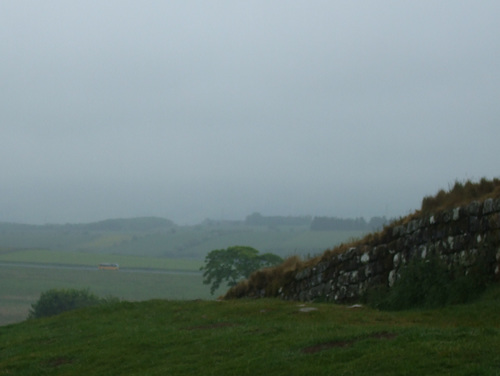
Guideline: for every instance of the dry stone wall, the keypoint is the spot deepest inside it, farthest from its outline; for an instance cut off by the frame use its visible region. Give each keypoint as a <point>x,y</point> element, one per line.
<point>464,238</point>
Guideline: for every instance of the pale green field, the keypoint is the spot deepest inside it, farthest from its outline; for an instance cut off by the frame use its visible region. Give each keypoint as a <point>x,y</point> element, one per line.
<point>181,242</point>
<point>93,259</point>
<point>22,286</point>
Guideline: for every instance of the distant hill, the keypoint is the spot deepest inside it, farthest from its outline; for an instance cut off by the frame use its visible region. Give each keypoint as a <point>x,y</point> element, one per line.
<point>159,237</point>
<point>119,224</point>
<point>130,224</point>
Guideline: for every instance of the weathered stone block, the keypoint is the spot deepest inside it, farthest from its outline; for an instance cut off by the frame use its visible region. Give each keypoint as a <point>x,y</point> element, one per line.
<point>460,243</point>
<point>317,279</point>
<point>488,206</point>
<point>362,274</point>
<point>445,246</point>
<point>462,226</point>
<point>494,221</point>
<point>473,224</point>
<point>380,279</point>
<point>409,254</point>
<point>351,292</point>
<point>381,249</point>
<point>396,260</point>
<point>303,296</point>
<point>397,231</point>
<point>342,279</point>
<point>350,265</point>
<point>368,271</point>
<point>438,233</point>
<point>374,254</point>
<point>353,277</point>
<point>317,292</point>
<point>347,255</point>
<point>447,216</point>
<point>467,258</point>
<point>412,226</point>
<point>474,208</point>
<point>321,267</point>
<point>303,274</point>
<point>340,294</point>
<point>407,242</point>
<point>484,224</point>
<point>418,236</point>
<point>392,277</point>
<point>422,250</point>
<point>380,267</point>
<point>426,235</point>
<point>400,244</point>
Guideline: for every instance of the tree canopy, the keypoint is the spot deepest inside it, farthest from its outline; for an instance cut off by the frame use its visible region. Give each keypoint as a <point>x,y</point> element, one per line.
<point>233,264</point>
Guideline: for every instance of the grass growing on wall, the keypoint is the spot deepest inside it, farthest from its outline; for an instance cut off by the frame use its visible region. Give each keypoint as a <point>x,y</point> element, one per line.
<point>461,193</point>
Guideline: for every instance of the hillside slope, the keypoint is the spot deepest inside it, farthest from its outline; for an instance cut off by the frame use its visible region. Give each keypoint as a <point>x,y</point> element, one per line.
<point>461,227</point>
<point>256,337</point>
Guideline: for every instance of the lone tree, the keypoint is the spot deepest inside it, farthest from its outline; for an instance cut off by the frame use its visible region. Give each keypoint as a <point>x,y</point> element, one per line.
<point>233,264</point>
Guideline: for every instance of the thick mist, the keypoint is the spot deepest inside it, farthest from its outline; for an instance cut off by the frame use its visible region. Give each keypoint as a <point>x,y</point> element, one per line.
<point>192,110</point>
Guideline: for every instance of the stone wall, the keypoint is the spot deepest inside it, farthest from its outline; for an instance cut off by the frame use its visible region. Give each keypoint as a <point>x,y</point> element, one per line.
<point>460,237</point>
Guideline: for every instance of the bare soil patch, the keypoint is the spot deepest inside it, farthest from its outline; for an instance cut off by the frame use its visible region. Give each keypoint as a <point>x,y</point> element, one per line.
<point>329,345</point>
<point>58,361</point>
<point>216,325</point>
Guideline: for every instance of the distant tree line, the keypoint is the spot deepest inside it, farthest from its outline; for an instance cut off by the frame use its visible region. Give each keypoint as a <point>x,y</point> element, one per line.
<point>129,224</point>
<point>334,223</point>
<point>318,223</point>
<point>257,219</point>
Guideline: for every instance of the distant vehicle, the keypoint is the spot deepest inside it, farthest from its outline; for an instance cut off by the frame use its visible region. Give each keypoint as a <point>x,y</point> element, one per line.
<point>108,266</point>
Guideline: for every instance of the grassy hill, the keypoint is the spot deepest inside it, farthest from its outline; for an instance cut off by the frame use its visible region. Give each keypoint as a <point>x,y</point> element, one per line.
<point>265,336</point>
<point>256,337</point>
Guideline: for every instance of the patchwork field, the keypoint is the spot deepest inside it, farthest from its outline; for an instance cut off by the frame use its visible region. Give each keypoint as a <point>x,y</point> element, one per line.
<point>36,258</point>
<point>192,242</point>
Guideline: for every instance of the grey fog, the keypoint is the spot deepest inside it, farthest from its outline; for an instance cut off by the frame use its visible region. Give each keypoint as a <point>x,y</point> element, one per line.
<point>190,110</point>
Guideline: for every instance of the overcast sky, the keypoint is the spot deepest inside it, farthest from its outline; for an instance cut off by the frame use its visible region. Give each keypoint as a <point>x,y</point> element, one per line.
<point>216,109</point>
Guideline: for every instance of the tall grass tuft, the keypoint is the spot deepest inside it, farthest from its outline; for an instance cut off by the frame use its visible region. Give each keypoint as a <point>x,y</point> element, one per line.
<point>461,193</point>
<point>268,281</point>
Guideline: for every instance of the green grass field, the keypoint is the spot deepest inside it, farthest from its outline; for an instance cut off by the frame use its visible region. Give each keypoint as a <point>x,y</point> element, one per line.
<point>43,256</point>
<point>256,337</point>
<point>22,286</point>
